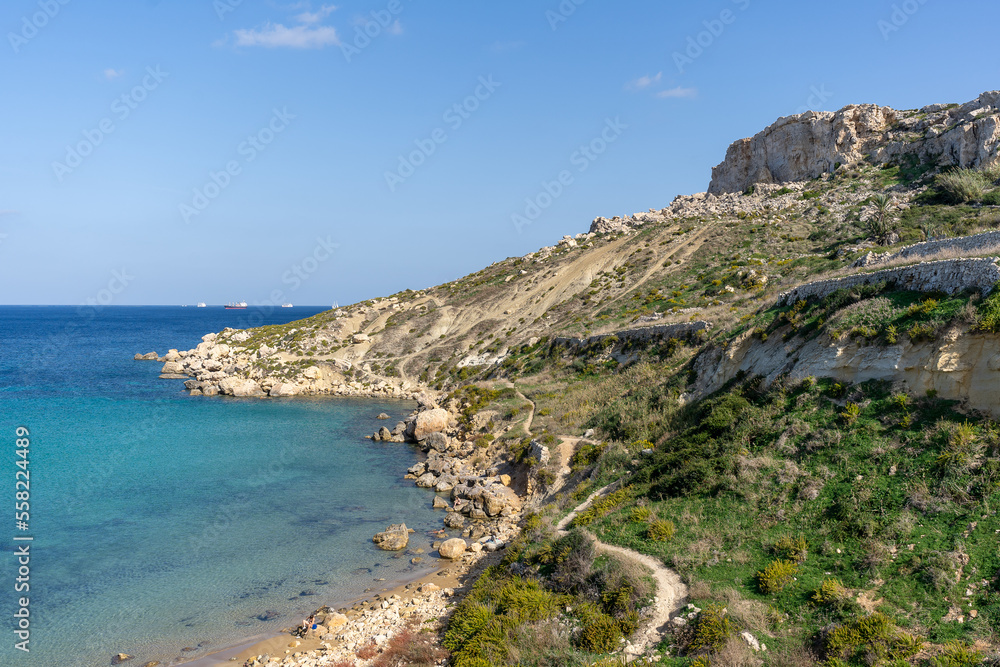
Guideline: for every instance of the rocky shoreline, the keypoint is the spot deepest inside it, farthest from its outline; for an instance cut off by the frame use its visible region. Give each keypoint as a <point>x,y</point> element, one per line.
<point>473,486</point>
<point>481,502</point>
<point>219,365</point>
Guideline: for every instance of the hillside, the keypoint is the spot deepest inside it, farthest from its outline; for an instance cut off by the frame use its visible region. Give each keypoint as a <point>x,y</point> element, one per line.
<point>783,390</point>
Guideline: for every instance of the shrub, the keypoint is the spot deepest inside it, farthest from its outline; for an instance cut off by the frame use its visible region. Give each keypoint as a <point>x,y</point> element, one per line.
<point>851,413</point>
<point>660,530</point>
<point>988,312</point>
<point>963,185</point>
<point>410,647</point>
<point>793,549</point>
<point>992,198</point>
<point>957,654</point>
<point>602,507</point>
<point>600,635</point>
<point>777,575</point>
<point>922,331</point>
<point>900,400</point>
<point>869,640</point>
<point>639,514</point>
<point>830,593</point>
<point>711,629</point>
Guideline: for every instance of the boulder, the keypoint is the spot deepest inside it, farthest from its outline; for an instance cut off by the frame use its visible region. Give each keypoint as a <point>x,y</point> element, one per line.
<point>172,368</point>
<point>235,386</point>
<point>437,441</point>
<point>212,365</point>
<point>417,469</point>
<point>360,338</point>
<point>539,452</point>
<point>313,373</point>
<point>382,416</point>
<point>439,503</point>
<point>429,421</point>
<point>334,621</point>
<point>283,389</point>
<point>149,356</point>
<point>427,480</point>
<point>393,538</point>
<point>210,390</point>
<point>220,351</point>
<point>119,658</point>
<point>452,549</point>
<point>384,434</point>
<point>454,520</point>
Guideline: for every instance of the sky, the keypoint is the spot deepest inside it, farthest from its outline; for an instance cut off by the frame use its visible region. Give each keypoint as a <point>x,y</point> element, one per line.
<point>171,152</point>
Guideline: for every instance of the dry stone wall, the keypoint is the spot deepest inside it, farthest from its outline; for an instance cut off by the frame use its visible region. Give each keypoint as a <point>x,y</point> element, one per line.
<point>950,276</point>
<point>985,242</point>
<point>642,334</point>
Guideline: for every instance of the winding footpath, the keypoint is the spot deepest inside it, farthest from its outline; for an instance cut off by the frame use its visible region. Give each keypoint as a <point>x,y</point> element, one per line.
<point>670,590</point>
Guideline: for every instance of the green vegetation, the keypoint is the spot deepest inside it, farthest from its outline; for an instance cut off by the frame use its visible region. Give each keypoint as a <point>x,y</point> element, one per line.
<point>774,491</point>
<point>565,605</point>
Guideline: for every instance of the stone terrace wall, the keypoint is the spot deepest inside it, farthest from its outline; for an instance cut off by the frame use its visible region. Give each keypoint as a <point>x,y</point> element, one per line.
<point>966,244</point>
<point>950,276</point>
<point>683,330</point>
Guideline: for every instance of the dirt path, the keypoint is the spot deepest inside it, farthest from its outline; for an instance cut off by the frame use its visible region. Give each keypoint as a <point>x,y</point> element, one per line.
<point>670,590</point>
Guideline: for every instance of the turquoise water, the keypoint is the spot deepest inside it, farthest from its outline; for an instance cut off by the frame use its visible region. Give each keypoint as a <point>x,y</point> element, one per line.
<point>163,522</point>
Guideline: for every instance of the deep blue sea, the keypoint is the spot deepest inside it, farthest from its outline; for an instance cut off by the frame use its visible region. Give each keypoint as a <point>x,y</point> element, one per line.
<point>163,521</point>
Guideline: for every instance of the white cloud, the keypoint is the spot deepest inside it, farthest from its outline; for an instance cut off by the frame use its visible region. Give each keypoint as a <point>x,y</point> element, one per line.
<point>310,18</point>
<point>678,92</point>
<point>275,35</point>
<point>112,73</point>
<point>644,82</point>
<point>396,28</point>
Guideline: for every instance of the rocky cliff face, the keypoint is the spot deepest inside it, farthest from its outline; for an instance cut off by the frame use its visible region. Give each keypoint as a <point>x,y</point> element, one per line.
<point>803,147</point>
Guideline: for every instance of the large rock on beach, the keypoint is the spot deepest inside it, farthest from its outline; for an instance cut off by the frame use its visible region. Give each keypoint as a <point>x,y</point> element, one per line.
<point>172,368</point>
<point>429,421</point>
<point>283,389</point>
<point>149,356</point>
<point>452,549</point>
<point>234,386</point>
<point>393,538</point>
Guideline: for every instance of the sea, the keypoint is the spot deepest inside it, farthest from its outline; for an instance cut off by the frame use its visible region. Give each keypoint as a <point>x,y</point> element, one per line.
<point>167,526</point>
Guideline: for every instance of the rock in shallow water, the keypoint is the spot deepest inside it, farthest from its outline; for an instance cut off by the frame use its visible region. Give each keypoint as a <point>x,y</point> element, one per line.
<point>393,538</point>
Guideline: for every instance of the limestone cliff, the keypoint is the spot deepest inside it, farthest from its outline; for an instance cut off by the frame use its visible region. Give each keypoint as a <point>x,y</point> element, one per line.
<point>808,145</point>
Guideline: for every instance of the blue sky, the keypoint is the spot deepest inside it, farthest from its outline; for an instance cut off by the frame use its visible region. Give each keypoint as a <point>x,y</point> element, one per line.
<point>169,152</point>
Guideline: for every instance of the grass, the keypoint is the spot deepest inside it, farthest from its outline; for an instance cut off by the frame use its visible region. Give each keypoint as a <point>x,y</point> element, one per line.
<point>771,493</point>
